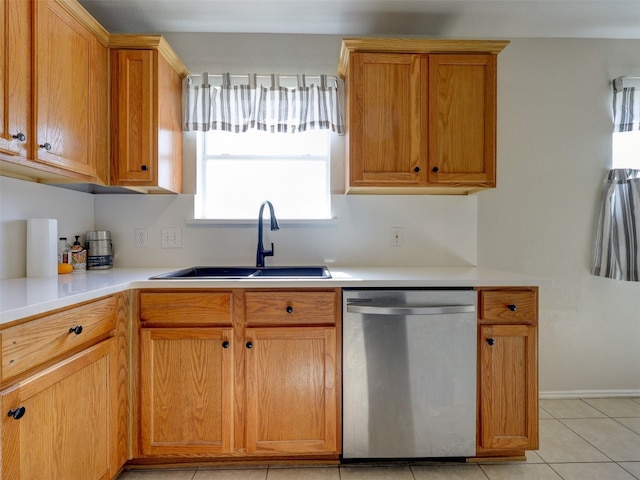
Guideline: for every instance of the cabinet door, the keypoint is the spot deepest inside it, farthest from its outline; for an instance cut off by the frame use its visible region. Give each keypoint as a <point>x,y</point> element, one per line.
<point>385,136</point>
<point>462,119</point>
<point>15,81</point>
<point>186,379</point>
<point>146,120</point>
<point>134,86</point>
<point>508,381</point>
<point>292,391</point>
<point>70,96</point>
<point>67,425</point>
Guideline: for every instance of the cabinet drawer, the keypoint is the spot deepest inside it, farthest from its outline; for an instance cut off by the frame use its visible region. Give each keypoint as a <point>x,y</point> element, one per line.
<point>181,308</point>
<point>509,306</point>
<point>33,343</point>
<point>290,308</point>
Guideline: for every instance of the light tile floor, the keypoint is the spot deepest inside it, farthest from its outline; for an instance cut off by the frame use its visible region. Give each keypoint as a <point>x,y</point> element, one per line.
<point>580,439</point>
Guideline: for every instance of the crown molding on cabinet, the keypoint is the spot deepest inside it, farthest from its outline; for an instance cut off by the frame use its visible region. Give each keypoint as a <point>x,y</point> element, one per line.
<point>146,42</point>
<point>86,19</point>
<point>415,45</point>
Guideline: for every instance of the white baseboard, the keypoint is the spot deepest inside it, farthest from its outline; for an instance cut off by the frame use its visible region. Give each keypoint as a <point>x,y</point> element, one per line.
<point>548,395</point>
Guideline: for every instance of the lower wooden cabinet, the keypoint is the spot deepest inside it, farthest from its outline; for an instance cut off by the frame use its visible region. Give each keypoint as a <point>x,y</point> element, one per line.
<point>508,411</point>
<point>507,373</point>
<point>186,388</point>
<point>261,380</point>
<point>60,423</point>
<point>291,390</point>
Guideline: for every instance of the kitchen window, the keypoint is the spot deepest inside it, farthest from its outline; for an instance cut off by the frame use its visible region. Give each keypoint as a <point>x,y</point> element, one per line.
<point>626,120</point>
<point>616,253</point>
<point>626,150</point>
<point>238,171</point>
<point>260,139</point>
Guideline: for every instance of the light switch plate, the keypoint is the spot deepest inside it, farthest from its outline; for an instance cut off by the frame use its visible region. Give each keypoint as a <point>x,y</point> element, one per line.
<point>171,237</point>
<point>142,237</point>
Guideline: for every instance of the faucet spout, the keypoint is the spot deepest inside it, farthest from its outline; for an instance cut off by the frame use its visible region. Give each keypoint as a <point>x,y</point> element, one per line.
<point>261,252</point>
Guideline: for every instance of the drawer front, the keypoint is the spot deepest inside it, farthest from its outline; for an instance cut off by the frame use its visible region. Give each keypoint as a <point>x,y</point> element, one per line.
<point>290,308</point>
<point>509,306</point>
<point>28,345</point>
<point>183,308</point>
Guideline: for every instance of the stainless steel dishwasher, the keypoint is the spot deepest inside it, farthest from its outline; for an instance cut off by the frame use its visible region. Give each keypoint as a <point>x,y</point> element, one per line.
<point>409,373</point>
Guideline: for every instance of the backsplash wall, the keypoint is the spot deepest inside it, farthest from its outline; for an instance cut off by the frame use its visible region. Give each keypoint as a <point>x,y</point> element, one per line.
<point>438,231</point>
<point>20,200</point>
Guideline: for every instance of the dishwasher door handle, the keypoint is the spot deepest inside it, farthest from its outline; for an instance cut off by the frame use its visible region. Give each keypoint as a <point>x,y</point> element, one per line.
<point>409,309</point>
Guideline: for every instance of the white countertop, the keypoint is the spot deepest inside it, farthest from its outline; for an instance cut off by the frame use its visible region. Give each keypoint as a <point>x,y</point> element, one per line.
<point>24,297</point>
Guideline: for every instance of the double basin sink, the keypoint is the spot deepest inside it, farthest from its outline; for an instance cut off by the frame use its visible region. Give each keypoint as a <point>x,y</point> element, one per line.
<point>245,272</point>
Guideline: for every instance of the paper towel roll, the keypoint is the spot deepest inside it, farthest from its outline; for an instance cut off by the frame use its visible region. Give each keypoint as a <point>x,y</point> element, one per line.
<point>42,247</point>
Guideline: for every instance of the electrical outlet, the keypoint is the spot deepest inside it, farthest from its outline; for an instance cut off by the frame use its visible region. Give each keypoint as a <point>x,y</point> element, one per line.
<point>171,237</point>
<point>397,236</point>
<point>142,237</point>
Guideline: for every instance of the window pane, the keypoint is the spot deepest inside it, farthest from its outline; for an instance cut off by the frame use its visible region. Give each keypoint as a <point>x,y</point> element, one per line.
<point>240,171</point>
<point>255,142</point>
<point>626,149</point>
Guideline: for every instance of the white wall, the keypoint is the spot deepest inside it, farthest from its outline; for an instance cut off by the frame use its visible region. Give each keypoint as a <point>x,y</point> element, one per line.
<point>554,146</point>
<point>20,200</point>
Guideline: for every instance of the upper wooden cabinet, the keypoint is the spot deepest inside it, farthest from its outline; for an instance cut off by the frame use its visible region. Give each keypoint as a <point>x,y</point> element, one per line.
<point>55,107</point>
<point>15,82</point>
<point>70,93</point>
<point>146,113</point>
<point>421,115</point>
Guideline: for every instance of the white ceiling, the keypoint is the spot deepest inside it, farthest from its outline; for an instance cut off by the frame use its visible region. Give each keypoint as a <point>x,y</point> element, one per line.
<point>437,18</point>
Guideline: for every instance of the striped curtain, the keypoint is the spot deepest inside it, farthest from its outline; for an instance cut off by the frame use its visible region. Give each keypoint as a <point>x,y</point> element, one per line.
<point>271,108</point>
<point>617,253</point>
<point>617,246</point>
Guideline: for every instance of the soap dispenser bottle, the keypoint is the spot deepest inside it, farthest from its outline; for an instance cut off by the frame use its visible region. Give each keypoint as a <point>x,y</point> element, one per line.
<point>78,256</point>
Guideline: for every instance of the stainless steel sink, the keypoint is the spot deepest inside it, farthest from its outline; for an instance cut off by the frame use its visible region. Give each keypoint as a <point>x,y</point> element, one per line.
<point>245,272</point>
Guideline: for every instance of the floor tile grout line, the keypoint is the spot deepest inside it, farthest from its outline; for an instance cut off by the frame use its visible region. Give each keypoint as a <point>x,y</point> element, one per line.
<point>611,459</point>
<point>555,471</point>
<point>484,473</point>
<point>583,400</point>
<point>613,398</point>
<point>634,476</point>
<point>615,419</point>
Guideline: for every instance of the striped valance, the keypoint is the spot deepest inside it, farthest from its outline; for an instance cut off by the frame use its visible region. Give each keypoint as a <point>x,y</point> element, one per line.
<point>626,104</point>
<point>271,108</point>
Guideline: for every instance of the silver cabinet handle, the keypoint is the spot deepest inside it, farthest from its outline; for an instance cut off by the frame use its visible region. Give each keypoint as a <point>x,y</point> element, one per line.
<point>410,309</point>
